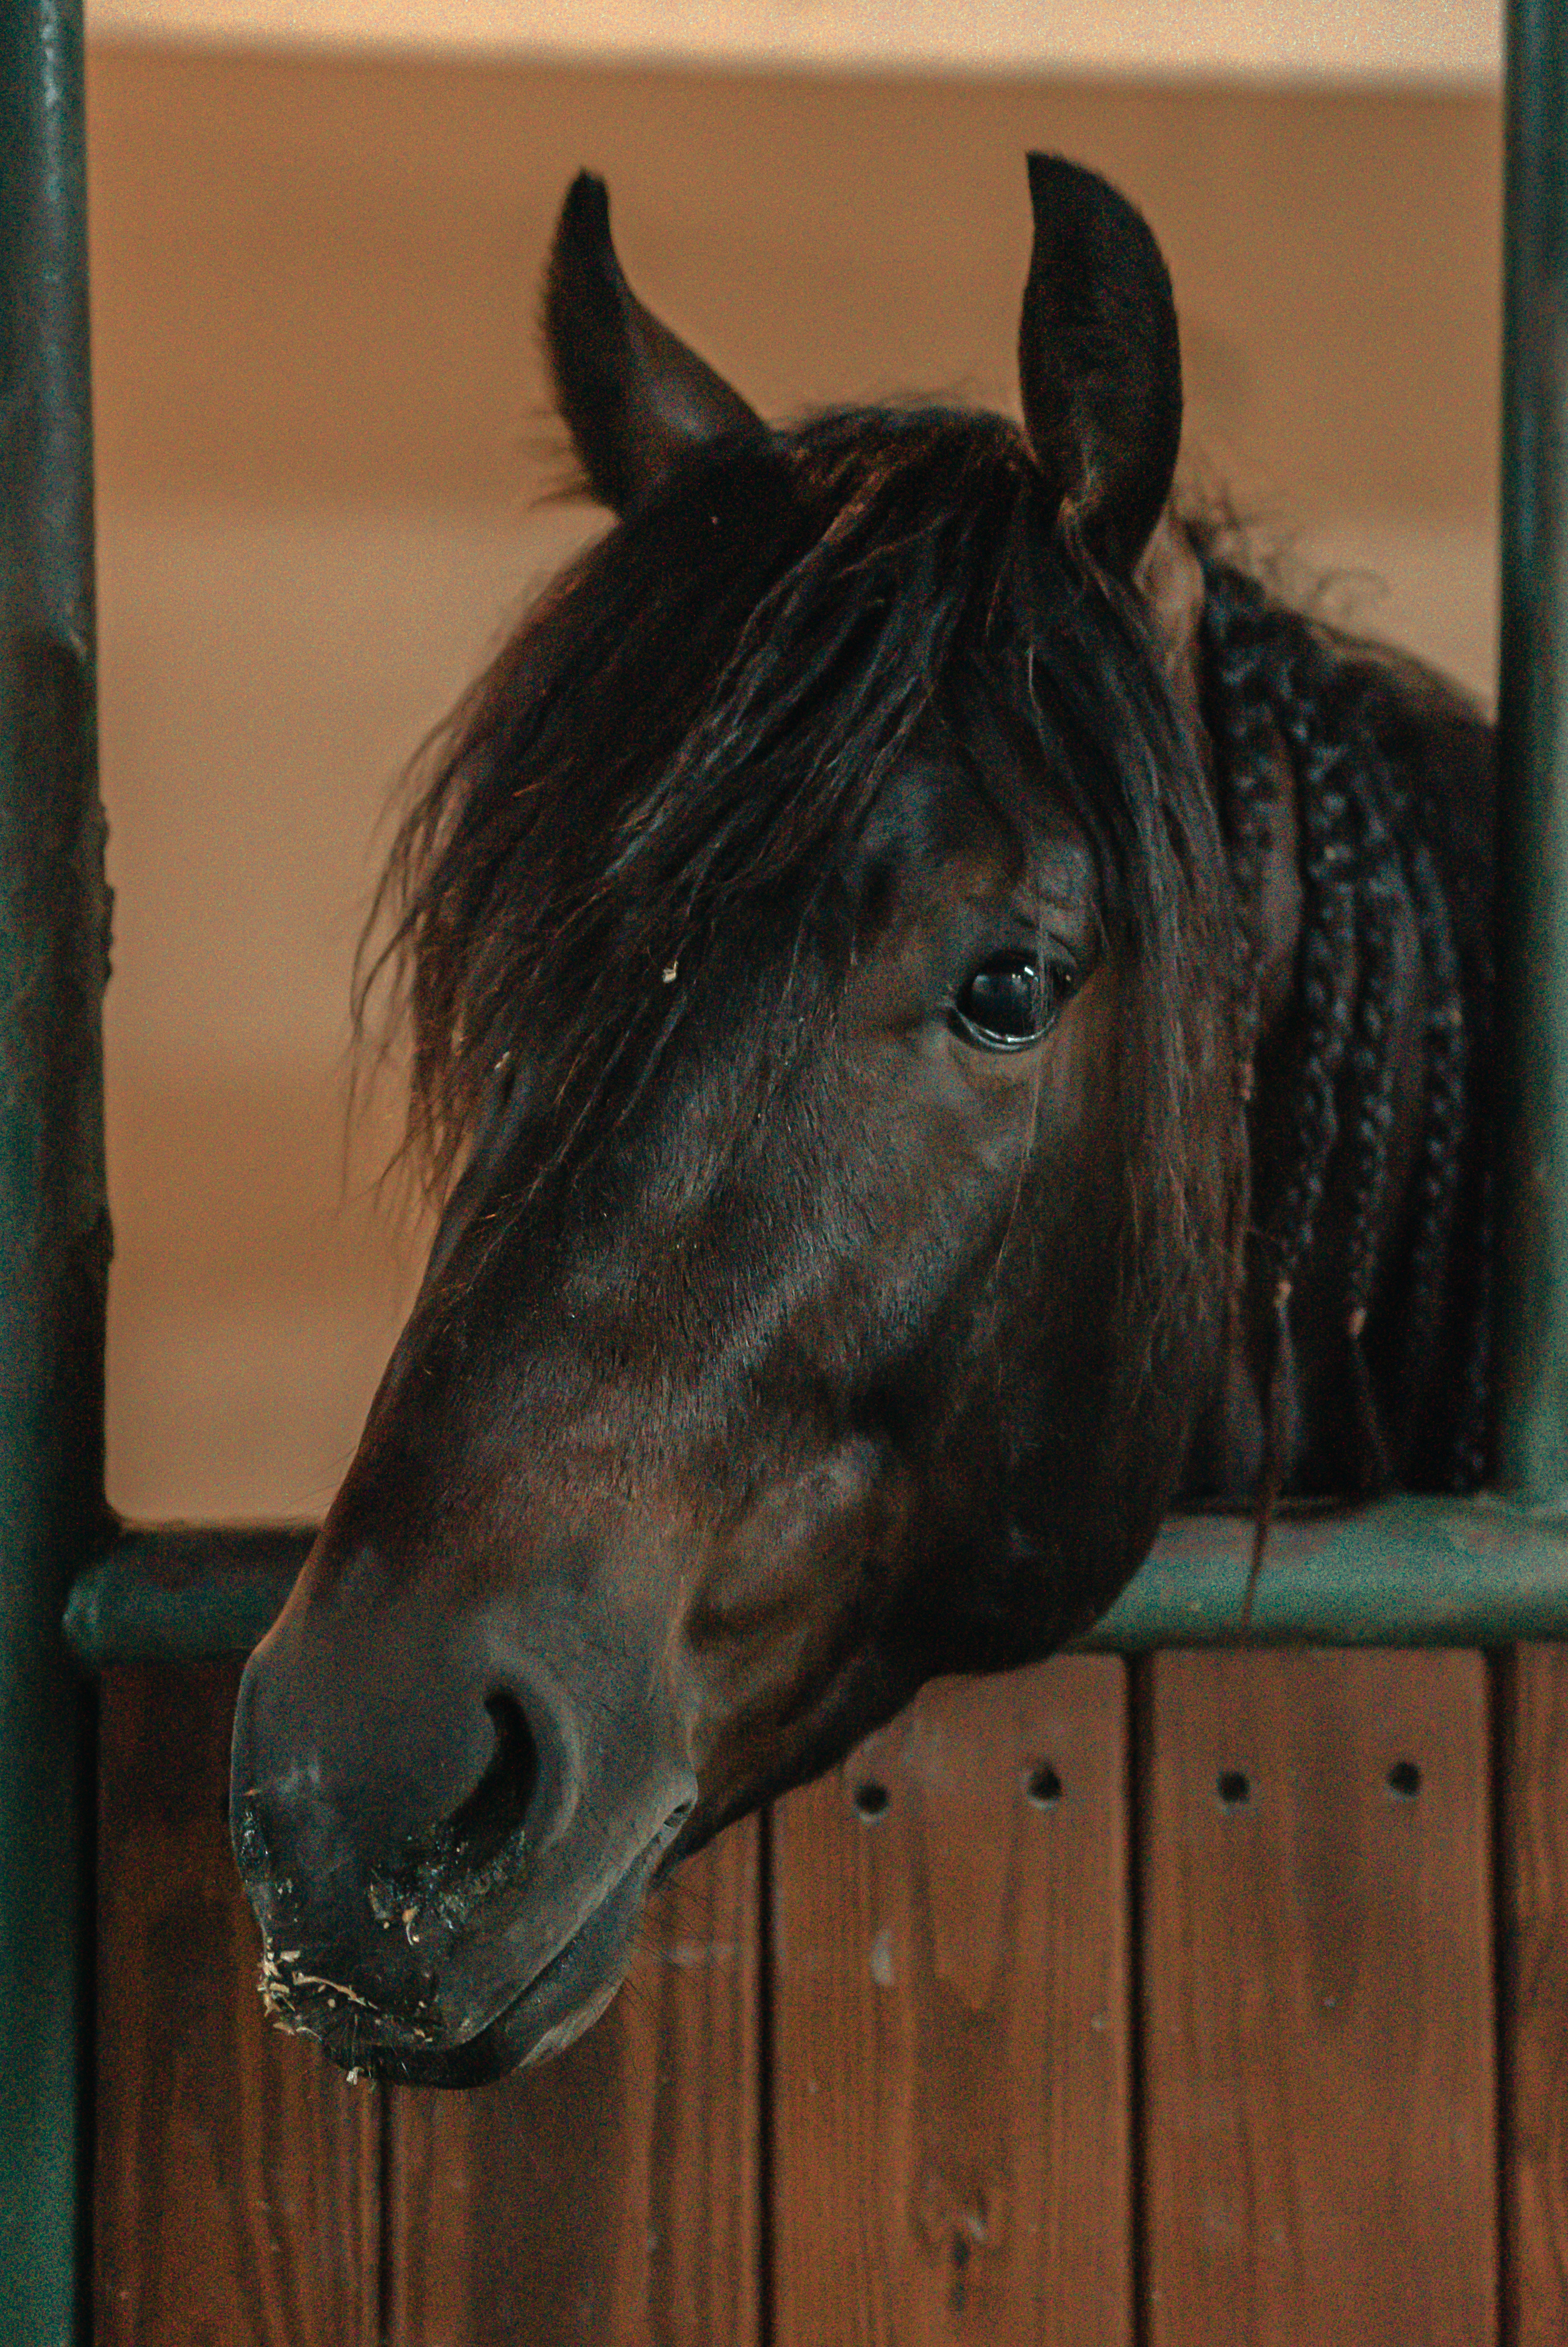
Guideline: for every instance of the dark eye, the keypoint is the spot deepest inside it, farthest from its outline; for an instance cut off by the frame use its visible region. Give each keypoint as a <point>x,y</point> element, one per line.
<point>1010,1003</point>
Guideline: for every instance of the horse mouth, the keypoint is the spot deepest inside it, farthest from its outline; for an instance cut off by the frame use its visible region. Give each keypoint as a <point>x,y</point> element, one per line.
<point>566,1996</point>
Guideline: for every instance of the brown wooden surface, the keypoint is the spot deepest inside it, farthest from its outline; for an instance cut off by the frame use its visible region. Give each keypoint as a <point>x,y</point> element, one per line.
<point>1534,1940</point>
<point>950,2074</point>
<point>236,2194</point>
<point>1318,2003</point>
<point>609,2196</point>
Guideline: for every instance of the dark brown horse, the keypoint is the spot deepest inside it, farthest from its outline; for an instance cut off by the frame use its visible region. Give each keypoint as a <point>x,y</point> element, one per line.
<point>944,1018</point>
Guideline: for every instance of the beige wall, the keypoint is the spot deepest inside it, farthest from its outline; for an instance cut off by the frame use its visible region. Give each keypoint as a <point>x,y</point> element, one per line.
<point>1400,39</point>
<point>321,439</point>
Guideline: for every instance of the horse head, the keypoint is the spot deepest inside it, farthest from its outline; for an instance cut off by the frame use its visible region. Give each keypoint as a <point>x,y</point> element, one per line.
<point>822,979</point>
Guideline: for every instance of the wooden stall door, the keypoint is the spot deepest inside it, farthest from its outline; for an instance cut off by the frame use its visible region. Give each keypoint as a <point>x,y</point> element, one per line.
<point>951,2108</point>
<point>1533,1939</point>
<point>1051,2039</point>
<point>1319,2120</point>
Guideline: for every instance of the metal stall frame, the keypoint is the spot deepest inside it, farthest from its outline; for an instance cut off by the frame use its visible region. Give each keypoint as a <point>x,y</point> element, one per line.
<point>54,1220</point>
<point>1408,1571</point>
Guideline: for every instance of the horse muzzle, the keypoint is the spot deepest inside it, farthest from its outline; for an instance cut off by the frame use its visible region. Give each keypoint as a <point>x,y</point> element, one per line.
<point>446,1839</point>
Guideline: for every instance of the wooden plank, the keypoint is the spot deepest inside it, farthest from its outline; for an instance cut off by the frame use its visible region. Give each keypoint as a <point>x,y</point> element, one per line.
<point>951,2144</point>
<point>236,2173</point>
<point>1318,2004</point>
<point>1535,1937</point>
<point>609,2196</point>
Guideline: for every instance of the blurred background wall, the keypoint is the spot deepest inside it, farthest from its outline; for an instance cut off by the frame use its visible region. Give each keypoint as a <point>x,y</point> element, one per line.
<point>321,443</point>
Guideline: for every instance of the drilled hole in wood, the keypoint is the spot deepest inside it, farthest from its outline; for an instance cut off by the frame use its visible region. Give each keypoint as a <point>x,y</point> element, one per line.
<point>871,1798</point>
<point>1404,1780</point>
<point>1234,1789</point>
<point>1042,1786</point>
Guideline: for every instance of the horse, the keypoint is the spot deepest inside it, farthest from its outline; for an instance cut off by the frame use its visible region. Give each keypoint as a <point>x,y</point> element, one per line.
<point>945,1020</point>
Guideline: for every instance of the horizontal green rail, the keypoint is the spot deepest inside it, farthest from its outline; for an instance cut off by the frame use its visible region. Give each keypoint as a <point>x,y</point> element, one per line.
<point>183,1592</point>
<point>1406,1572</point>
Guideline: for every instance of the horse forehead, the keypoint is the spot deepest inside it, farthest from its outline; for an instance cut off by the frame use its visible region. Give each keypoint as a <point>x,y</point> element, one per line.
<point>937,828</point>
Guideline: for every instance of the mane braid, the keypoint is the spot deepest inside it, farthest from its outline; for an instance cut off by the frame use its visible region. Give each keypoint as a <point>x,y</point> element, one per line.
<point>1372,1068</point>
<point>1272,679</point>
<point>1237,644</point>
<point>1472,1444</point>
<point>1447,1055</point>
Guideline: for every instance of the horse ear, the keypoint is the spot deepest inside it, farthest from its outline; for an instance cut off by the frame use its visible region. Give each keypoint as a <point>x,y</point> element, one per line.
<point>632,395</point>
<point>1099,361</point>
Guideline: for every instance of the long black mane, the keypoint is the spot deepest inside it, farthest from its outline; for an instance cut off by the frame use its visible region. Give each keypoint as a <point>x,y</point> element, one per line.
<point>700,713</point>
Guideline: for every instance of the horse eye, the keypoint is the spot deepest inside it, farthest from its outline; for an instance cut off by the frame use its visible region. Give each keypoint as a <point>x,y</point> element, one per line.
<point>1010,1003</point>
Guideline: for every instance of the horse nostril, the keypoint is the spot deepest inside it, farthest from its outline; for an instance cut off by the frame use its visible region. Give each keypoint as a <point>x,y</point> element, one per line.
<point>497,1811</point>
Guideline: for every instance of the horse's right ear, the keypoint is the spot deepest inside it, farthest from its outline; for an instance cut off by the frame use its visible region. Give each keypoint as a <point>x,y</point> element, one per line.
<point>1099,362</point>
<point>632,395</point>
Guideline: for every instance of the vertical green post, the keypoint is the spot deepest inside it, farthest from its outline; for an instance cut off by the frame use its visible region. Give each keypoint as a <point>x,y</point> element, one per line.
<point>1532,1391</point>
<point>54,1225</point>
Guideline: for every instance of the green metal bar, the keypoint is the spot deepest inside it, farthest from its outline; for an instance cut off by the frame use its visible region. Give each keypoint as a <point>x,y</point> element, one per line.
<point>1408,1572</point>
<point>54,1224</point>
<point>181,1592</point>
<point>1532,1389</point>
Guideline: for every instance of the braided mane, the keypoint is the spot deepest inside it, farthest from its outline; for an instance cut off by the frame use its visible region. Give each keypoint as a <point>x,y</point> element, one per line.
<point>1376,853</point>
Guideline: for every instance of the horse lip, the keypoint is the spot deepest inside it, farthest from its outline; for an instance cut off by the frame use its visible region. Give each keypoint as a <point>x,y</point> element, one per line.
<point>489,2048</point>
<point>488,2052</point>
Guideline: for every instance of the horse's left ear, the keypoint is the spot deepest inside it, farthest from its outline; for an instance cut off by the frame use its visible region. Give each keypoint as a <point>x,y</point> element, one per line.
<point>632,395</point>
<point>1099,362</point>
